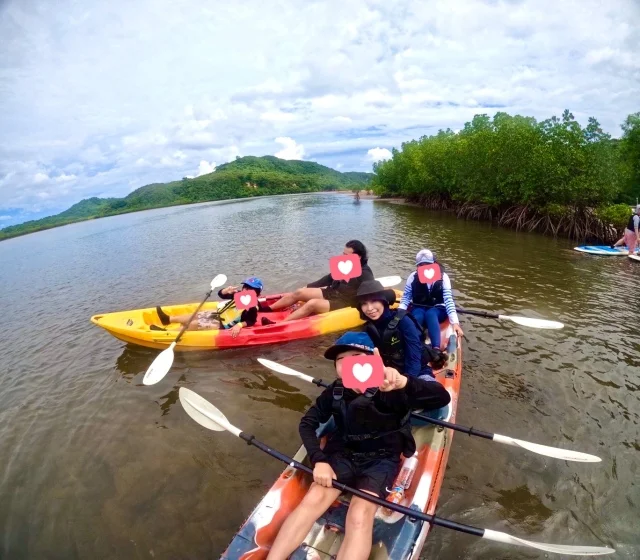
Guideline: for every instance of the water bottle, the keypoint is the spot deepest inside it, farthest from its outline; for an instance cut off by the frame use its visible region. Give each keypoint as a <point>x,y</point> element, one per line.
<point>407,471</point>
<point>395,497</point>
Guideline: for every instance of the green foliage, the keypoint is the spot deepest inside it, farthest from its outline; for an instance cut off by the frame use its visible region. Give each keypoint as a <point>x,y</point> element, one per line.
<point>245,177</point>
<point>615,214</point>
<point>630,159</point>
<point>514,161</point>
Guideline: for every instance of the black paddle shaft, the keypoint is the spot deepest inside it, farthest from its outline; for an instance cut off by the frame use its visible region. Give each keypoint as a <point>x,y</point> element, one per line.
<point>464,311</point>
<point>471,431</point>
<point>410,513</point>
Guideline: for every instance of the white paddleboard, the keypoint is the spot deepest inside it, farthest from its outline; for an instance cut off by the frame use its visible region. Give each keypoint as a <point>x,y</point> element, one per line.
<point>634,257</point>
<point>603,250</point>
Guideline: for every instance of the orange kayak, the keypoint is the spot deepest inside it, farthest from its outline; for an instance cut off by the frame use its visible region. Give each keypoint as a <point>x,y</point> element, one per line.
<point>394,536</point>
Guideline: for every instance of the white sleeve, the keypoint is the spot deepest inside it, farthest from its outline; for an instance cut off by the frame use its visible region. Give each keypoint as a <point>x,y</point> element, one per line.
<point>449,304</point>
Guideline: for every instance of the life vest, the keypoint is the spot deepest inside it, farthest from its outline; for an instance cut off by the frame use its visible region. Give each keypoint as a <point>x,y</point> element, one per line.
<point>375,424</point>
<point>390,342</point>
<point>425,295</point>
<point>631,226</point>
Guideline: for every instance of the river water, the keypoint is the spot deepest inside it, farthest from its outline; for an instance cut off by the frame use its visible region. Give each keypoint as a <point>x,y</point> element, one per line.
<point>96,465</point>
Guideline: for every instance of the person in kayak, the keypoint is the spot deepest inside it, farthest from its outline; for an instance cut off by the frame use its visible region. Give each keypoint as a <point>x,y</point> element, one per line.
<point>325,294</point>
<point>632,231</point>
<point>431,303</point>
<point>372,431</point>
<point>207,320</point>
<point>396,333</point>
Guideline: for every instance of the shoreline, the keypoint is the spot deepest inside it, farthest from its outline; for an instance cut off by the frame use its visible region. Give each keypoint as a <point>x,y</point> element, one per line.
<point>89,218</point>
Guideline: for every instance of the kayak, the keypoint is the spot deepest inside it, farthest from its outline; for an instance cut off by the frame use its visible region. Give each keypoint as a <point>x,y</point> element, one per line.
<point>603,250</point>
<point>394,536</point>
<point>634,257</point>
<point>135,326</point>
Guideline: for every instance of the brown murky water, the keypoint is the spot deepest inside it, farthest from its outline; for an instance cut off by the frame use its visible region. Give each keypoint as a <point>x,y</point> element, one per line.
<point>95,465</point>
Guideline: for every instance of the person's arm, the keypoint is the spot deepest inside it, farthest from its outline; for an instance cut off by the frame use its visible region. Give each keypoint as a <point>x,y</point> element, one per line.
<point>249,317</point>
<point>449,304</point>
<point>321,283</point>
<point>318,414</point>
<point>636,223</point>
<point>407,296</point>
<point>428,395</point>
<point>412,347</point>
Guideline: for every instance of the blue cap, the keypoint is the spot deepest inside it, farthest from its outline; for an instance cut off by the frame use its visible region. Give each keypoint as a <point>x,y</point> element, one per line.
<point>253,282</point>
<point>350,341</point>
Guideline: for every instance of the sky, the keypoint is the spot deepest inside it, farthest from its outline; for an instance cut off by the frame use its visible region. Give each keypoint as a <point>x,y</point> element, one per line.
<point>100,98</point>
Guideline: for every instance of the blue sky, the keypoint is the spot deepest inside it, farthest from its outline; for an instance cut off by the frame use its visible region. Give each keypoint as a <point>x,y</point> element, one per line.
<point>100,98</point>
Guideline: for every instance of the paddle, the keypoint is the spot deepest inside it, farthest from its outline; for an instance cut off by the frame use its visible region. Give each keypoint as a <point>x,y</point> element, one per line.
<point>524,321</point>
<point>162,364</point>
<point>207,415</point>
<point>545,450</point>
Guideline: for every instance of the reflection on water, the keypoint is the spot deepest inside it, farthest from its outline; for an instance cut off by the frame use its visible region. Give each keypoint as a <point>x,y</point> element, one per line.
<point>96,468</point>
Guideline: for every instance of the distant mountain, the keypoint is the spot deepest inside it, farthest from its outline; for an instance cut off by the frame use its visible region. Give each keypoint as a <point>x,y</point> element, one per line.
<point>245,177</point>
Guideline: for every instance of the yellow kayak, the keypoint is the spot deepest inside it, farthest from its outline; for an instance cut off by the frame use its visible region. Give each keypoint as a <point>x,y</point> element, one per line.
<point>135,327</point>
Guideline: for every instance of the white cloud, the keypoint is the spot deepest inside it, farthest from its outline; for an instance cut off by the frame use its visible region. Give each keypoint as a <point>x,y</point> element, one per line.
<point>378,154</point>
<point>290,148</point>
<point>206,167</point>
<point>338,77</point>
<point>5,217</point>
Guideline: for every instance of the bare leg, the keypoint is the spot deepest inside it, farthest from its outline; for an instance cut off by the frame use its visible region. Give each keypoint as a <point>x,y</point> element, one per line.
<point>302,294</point>
<point>300,521</point>
<point>312,307</point>
<point>619,243</point>
<point>358,530</point>
<point>193,325</point>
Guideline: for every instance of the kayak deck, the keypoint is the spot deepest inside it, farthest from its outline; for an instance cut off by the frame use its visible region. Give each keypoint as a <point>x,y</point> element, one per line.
<point>135,327</point>
<point>394,537</point>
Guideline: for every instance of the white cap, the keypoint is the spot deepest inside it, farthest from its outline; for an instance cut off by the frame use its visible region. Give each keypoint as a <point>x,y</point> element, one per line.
<point>424,256</point>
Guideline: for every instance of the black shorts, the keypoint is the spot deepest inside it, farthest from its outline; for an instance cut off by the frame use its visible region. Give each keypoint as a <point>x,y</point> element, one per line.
<point>336,299</point>
<point>373,475</point>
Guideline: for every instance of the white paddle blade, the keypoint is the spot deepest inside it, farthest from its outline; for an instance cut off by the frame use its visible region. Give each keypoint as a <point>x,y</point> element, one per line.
<point>389,281</point>
<point>555,548</point>
<point>555,452</point>
<point>204,413</point>
<point>284,370</point>
<point>160,366</point>
<point>218,281</point>
<point>531,322</point>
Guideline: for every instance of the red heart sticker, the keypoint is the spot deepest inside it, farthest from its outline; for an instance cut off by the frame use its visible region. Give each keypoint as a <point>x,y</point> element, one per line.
<point>362,372</point>
<point>429,273</point>
<point>246,299</point>
<point>345,267</point>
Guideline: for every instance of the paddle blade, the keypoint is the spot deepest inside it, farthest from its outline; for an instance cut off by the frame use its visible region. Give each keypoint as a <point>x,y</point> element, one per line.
<point>554,452</point>
<point>218,281</point>
<point>204,413</point>
<point>284,370</point>
<point>389,281</point>
<point>160,366</point>
<point>578,550</point>
<point>531,322</point>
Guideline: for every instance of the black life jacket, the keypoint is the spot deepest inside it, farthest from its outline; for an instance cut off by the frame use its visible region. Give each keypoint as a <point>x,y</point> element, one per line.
<point>427,296</point>
<point>391,343</point>
<point>631,226</point>
<point>363,411</point>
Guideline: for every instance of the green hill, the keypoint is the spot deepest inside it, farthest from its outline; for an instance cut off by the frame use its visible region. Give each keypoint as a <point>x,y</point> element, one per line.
<point>245,177</point>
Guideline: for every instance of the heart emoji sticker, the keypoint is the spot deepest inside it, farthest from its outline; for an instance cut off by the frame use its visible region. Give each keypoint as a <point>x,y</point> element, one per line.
<point>345,267</point>
<point>362,372</point>
<point>246,299</point>
<point>429,273</point>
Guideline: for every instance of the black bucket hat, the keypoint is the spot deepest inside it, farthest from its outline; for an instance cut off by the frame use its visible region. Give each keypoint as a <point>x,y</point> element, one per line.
<point>372,289</point>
